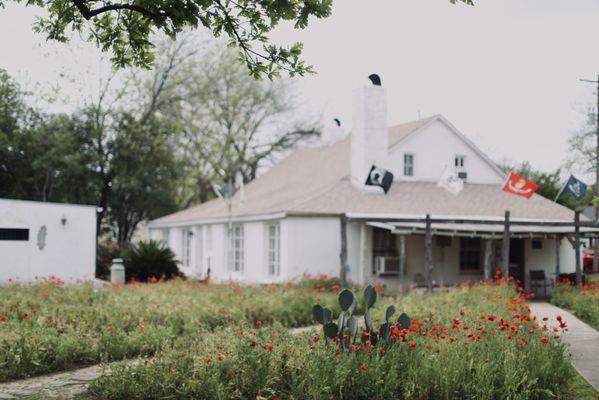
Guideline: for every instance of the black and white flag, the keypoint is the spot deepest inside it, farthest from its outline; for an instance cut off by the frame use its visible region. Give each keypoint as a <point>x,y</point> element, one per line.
<point>380,177</point>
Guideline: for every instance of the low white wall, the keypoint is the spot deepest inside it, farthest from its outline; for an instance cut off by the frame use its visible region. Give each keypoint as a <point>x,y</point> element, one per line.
<point>66,250</point>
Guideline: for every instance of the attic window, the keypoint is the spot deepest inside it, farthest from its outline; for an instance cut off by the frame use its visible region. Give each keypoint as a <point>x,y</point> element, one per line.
<point>459,161</point>
<point>408,164</point>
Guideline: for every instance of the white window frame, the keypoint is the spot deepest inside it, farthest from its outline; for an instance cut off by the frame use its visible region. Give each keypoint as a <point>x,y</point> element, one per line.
<point>459,161</point>
<point>187,240</point>
<point>273,248</point>
<point>199,256</point>
<point>235,250</point>
<point>166,235</point>
<point>408,168</point>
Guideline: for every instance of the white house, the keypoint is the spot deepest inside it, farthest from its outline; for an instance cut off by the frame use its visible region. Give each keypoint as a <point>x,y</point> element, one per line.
<point>313,207</point>
<point>39,240</point>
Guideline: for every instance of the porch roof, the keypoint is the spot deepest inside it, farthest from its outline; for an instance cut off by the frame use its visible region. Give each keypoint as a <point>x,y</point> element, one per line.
<point>486,230</point>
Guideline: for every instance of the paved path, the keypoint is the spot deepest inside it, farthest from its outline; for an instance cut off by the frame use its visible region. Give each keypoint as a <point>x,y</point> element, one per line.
<point>582,340</point>
<point>61,385</point>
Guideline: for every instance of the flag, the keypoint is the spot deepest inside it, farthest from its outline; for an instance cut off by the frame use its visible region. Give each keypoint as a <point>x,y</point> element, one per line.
<point>519,185</point>
<point>379,177</point>
<point>450,181</point>
<point>575,186</point>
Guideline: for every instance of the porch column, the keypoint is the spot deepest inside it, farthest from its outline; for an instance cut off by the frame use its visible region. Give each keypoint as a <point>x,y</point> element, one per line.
<point>343,254</point>
<point>558,242</point>
<point>488,258</point>
<point>577,247</point>
<point>428,254</point>
<point>402,256</point>
<point>363,263</point>
<point>505,247</point>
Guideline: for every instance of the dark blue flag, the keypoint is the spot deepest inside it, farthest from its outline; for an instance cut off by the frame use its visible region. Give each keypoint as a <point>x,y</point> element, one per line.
<point>575,186</point>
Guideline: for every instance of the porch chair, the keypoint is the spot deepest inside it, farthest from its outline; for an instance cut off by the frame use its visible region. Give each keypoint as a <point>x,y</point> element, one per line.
<point>538,280</point>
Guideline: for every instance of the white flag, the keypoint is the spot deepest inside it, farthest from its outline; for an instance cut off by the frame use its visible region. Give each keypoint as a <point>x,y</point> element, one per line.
<point>451,182</point>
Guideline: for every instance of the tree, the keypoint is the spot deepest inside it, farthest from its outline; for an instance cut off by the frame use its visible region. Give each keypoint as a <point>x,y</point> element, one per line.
<point>105,154</point>
<point>125,27</point>
<point>146,179</point>
<point>232,124</point>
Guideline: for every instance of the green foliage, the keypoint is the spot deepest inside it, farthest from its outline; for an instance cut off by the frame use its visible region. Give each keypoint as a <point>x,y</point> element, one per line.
<point>80,325</point>
<point>125,29</point>
<point>151,259</point>
<point>582,301</point>
<point>443,363</point>
<point>345,332</point>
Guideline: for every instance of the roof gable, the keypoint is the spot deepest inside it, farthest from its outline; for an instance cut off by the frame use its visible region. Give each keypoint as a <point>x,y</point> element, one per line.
<point>316,181</point>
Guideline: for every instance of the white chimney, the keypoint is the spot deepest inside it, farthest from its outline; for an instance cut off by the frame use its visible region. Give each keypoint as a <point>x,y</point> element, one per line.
<point>332,132</point>
<point>369,136</point>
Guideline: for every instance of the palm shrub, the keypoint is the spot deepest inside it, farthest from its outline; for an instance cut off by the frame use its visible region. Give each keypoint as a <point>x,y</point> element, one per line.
<point>148,260</point>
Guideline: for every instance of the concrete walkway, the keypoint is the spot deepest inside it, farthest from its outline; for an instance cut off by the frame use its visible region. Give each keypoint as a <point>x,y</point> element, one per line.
<point>582,340</point>
<point>61,385</point>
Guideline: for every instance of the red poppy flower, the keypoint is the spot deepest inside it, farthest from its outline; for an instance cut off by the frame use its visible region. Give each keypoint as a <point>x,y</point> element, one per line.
<point>220,359</point>
<point>253,344</point>
<point>363,367</point>
<point>544,339</point>
<point>412,345</point>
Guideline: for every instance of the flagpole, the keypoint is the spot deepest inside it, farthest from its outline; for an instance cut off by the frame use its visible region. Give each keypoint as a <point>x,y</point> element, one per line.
<point>561,190</point>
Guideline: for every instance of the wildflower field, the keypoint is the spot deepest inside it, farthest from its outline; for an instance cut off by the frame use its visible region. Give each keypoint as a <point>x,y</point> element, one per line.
<point>47,327</point>
<point>230,342</point>
<point>582,301</point>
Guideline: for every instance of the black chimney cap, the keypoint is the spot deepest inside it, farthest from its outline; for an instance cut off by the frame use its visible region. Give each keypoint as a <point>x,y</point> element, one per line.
<point>375,79</point>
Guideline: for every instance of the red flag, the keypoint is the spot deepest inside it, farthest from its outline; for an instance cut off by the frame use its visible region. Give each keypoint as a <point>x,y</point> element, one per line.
<point>519,185</point>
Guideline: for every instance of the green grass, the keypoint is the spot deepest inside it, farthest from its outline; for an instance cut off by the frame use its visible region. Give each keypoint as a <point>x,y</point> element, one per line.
<point>581,301</point>
<point>47,328</point>
<point>469,343</point>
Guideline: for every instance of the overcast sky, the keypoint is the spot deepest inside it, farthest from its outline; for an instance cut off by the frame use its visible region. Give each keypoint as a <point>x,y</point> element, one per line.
<point>505,72</point>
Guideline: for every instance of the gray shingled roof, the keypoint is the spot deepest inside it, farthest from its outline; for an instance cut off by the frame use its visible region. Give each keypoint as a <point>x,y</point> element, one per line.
<point>316,181</point>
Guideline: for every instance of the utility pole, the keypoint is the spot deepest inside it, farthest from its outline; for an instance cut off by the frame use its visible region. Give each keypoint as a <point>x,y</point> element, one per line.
<point>596,240</point>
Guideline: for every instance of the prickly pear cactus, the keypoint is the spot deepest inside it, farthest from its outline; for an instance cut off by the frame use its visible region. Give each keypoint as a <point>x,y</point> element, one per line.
<point>345,332</point>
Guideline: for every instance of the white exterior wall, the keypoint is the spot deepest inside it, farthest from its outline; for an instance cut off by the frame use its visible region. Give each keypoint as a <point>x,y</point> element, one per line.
<point>314,245</point>
<point>209,250</point>
<point>434,148</point>
<point>567,263</point>
<point>69,250</point>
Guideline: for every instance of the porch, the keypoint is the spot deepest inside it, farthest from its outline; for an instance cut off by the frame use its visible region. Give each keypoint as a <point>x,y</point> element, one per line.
<point>429,252</point>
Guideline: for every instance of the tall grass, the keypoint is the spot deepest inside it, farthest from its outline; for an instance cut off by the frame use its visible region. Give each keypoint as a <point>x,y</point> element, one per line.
<point>47,327</point>
<point>468,343</point>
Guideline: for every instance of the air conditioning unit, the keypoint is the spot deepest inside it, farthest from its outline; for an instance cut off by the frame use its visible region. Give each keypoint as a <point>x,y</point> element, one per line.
<point>386,265</point>
<point>463,175</point>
